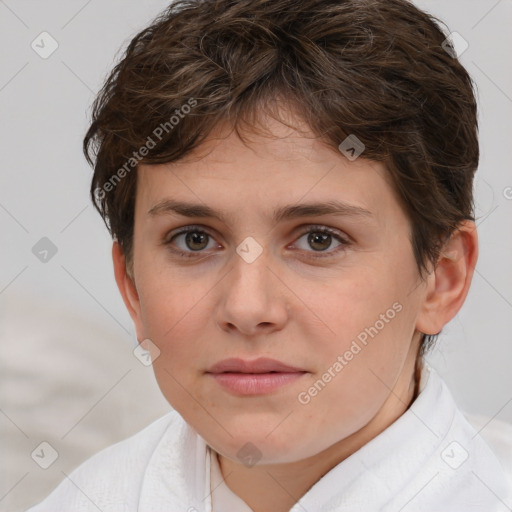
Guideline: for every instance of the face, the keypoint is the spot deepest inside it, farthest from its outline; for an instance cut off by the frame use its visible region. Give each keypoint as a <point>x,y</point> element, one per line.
<point>287,251</point>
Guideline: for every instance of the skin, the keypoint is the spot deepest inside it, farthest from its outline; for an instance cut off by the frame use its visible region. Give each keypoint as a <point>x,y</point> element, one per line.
<point>287,304</point>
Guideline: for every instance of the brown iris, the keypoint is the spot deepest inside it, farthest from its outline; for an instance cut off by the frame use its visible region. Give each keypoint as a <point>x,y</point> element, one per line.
<point>196,240</point>
<point>319,241</point>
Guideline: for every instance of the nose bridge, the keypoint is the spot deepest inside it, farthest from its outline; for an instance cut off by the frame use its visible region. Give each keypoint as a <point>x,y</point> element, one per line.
<point>249,277</point>
<point>251,297</point>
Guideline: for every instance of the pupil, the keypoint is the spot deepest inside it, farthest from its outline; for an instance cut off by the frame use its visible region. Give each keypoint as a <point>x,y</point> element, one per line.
<point>194,238</point>
<point>318,241</point>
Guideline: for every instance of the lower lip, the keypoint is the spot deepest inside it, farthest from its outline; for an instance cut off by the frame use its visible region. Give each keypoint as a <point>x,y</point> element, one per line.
<point>255,383</point>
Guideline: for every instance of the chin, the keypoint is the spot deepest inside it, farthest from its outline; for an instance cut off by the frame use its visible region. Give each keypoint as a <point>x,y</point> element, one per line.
<point>258,447</point>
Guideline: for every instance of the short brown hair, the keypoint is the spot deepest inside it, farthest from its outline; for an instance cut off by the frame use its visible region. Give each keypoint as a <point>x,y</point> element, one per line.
<point>376,69</point>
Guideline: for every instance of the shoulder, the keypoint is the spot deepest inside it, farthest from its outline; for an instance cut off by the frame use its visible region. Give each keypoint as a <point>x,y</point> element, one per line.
<point>465,460</point>
<point>110,479</point>
<point>498,436</point>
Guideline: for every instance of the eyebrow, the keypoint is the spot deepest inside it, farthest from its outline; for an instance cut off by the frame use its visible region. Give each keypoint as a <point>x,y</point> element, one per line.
<point>292,211</point>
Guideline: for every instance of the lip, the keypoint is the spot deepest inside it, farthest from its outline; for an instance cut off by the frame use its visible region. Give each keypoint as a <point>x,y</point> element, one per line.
<point>256,377</point>
<point>260,365</point>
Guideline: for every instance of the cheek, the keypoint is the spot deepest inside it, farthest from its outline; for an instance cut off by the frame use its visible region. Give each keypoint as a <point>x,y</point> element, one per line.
<point>371,330</point>
<point>176,325</point>
<point>354,380</point>
<point>175,315</point>
<point>360,301</point>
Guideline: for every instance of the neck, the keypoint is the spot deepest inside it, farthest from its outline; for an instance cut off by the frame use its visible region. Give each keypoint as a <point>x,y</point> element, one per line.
<point>277,487</point>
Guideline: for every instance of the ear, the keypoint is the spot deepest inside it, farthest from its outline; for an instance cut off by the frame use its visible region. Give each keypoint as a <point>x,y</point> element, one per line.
<point>449,283</point>
<point>127,288</point>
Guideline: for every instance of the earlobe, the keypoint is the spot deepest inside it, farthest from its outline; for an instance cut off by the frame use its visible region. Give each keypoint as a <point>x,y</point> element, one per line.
<point>449,283</point>
<point>127,288</point>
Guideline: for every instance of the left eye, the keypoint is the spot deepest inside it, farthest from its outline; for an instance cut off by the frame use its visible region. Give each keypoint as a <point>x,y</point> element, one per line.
<point>320,239</point>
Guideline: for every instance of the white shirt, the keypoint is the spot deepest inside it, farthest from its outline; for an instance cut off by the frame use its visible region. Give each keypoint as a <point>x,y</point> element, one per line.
<point>429,460</point>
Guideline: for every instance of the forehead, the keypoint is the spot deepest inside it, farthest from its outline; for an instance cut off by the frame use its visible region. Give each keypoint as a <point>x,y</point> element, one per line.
<point>265,170</point>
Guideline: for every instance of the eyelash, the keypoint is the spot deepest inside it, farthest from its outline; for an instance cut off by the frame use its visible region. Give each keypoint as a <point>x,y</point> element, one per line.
<point>345,242</point>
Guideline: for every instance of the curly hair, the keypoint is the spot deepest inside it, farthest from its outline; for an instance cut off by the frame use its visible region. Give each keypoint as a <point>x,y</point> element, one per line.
<point>376,69</point>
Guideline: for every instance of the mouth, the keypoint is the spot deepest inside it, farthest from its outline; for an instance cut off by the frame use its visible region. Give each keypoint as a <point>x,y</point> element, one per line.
<point>256,377</point>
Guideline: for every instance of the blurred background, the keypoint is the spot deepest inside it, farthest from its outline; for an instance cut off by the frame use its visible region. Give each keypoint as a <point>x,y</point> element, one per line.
<point>68,376</point>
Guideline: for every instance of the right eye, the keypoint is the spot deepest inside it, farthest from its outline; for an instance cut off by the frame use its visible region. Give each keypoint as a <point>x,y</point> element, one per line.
<point>191,241</point>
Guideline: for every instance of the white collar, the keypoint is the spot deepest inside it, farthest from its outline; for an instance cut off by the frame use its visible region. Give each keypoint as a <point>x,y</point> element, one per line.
<point>413,459</point>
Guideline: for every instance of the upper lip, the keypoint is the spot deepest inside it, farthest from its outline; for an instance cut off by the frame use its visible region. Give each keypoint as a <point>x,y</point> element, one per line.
<point>260,365</point>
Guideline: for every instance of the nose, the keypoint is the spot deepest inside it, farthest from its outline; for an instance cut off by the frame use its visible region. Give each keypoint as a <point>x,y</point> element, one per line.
<point>253,300</point>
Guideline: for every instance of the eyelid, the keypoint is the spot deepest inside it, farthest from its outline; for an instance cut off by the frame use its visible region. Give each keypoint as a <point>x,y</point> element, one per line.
<point>327,229</point>
<point>185,229</point>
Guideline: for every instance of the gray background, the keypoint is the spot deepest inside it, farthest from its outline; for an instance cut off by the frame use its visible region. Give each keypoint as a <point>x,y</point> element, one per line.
<point>68,373</point>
